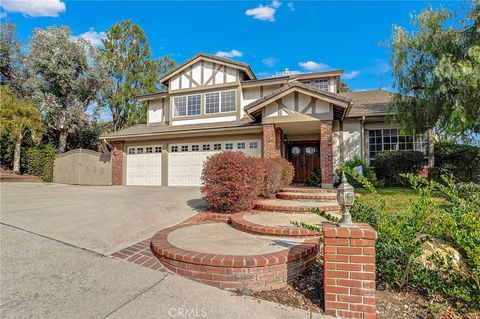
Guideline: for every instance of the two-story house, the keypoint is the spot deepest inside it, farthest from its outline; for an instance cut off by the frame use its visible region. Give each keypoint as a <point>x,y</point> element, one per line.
<point>215,104</point>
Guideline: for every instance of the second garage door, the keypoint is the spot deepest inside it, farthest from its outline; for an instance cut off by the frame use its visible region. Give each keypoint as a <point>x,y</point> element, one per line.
<point>185,161</point>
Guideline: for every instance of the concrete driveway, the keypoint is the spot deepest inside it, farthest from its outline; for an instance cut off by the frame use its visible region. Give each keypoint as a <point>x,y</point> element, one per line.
<point>98,218</point>
<point>54,263</point>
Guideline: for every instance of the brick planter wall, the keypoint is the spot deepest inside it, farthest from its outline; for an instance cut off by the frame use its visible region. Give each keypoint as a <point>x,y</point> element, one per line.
<point>326,153</point>
<point>117,162</point>
<point>349,271</point>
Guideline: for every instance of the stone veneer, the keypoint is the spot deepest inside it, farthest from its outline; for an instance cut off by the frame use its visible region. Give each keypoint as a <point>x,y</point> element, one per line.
<point>118,156</point>
<point>349,270</point>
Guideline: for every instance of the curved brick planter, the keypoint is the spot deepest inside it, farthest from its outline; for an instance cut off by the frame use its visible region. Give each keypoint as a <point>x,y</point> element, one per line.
<point>241,224</point>
<point>306,196</point>
<point>256,272</point>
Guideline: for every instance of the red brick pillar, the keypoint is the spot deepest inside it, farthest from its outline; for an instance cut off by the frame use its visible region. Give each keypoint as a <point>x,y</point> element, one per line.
<point>349,271</point>
<point>117,162</point>
<point>326,153</point>
<point>271,146</point>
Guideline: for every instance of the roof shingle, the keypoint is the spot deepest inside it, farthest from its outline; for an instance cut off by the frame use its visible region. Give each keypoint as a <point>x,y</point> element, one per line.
<point>369,102</point>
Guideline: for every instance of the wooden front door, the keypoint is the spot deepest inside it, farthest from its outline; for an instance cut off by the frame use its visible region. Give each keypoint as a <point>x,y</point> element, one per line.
<point>305,157</point>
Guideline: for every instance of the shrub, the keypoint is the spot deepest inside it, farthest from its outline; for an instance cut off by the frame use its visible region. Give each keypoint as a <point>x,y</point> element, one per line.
<point>232,181</point>
<point>456,160</point>
<point>389,165</point>
<point>278,174</point>
<point>40,161</point>
<point>350,165</point>
<point>315,178</point>
<point>452,220</point>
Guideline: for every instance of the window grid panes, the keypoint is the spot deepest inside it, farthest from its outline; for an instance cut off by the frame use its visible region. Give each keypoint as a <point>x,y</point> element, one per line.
<point>212,103</point>
<point>390,140</point>
<point>228,101</point>
<point>241,146</point>
<point>158,149</point>
<point>229,146</point>
<point>253,145</point>
<point>180,105</point>
<point>217,147</point>
<point>184,148</point>
<point>174,149</point>
<point>194,104</point>
<point>149,150</point>
<point>139,150</point>
<point>131,150</point>
<point>195,148</point>
<point>320,84</point>
<point>206,147</point>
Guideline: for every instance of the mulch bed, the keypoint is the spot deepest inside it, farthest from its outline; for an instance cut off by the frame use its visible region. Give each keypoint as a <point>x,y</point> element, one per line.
<point>306,292</point>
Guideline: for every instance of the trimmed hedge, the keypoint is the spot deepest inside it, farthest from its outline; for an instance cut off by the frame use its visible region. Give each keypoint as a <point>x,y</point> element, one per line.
<point>232,181</point>
<point>460,161</point>
<point>389,165</point>
<point>40,161</point>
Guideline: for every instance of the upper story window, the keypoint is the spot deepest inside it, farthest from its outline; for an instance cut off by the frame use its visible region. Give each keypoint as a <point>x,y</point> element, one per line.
<point>320,84</point>
<point>215,102</point>
<point>188,105</point>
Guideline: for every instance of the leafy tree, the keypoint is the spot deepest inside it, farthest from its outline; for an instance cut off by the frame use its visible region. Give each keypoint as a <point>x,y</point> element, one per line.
<point>12,71</point>
<point>436,70</point>
<point>131,72</point>
<point>16,117</point>
<point>65,79</point>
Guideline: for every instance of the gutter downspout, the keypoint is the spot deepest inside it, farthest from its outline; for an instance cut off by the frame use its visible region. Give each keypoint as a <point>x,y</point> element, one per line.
<point>362,138</point>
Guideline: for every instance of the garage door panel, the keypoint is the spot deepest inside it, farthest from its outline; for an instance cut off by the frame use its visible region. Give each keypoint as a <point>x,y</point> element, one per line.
<point>144,169</point>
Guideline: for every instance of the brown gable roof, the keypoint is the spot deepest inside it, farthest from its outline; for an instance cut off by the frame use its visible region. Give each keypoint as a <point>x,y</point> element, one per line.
<point>153,129</point>
<point>241,65</point>
<point>369,102</point>
<point>296,84</point>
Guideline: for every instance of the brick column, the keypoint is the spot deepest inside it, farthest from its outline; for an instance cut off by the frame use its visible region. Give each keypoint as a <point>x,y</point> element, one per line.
<point>271,147</point>
<point>117,162</point>
<point>349,270</point>
<point>326,153</point>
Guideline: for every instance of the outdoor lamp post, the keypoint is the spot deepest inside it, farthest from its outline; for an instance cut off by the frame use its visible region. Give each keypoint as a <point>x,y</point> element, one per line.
<point>345,198</point>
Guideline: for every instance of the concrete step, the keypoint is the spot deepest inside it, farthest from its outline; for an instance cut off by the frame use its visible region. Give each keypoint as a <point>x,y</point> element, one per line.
<point>309,189</point>
<point>307,196</point>
<point>295,206</point>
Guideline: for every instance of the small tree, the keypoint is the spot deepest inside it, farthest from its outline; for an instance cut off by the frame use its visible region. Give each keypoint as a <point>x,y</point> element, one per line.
<point>16,117</point>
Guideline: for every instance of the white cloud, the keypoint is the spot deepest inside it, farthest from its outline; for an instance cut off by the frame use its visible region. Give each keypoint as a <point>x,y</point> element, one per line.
<point>270,62</point>
<point>229,54</point>
<point>35,8</point>
<point>264,13</point>
<point>291,6</point>
<point>313,66</point>
<point>94,37</point>
<point>350,75</point>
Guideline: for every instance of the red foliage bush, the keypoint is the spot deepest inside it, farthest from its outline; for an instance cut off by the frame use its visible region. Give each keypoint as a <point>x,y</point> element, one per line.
<point>278,174</point>
<point>231,181</point>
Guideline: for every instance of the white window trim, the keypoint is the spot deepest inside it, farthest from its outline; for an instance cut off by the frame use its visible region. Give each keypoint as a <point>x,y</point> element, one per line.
<point>203,104</point>
<point>134,148</point>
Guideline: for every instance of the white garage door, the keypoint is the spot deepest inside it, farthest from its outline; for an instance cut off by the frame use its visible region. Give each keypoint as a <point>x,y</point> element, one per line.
<point>144,165</point>
<point>185,161</point>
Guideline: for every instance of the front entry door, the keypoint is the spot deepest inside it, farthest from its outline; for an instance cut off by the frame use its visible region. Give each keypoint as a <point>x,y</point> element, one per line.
<point>304,156</point>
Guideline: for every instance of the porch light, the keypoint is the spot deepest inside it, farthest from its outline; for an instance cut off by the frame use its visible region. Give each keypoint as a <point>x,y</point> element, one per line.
<point>285,139</point>
<point>345,198</point>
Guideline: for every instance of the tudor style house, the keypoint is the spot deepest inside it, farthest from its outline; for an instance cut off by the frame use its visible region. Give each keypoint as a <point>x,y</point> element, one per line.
<point>215,104</point>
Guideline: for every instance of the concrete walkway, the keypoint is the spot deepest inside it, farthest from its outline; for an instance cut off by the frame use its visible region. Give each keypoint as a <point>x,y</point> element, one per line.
<point>54,264</point>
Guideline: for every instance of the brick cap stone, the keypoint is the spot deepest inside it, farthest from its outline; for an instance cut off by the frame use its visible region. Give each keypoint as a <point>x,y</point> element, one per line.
<point>357,231</point>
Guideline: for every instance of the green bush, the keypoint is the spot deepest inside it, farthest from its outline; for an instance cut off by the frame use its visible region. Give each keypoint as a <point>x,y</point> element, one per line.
<point>389,165</point>
<point>40,161</point>
<point>315,178</point>
<point>452,220</point>
<point>456,160</point>
<point>349,165</point>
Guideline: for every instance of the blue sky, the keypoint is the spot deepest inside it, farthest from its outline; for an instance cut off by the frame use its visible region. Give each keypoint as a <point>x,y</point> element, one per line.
<point>270,36</point>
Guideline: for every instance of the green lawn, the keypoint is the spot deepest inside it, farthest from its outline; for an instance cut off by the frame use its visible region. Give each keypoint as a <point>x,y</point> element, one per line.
<point>396,198</point>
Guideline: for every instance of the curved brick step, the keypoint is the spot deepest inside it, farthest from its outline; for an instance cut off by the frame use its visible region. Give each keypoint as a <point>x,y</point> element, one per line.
<point>230,259</point>
<point>307,196</point>
<point>308,189</point>
<point>295,206</point>
<point>275,224</point>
